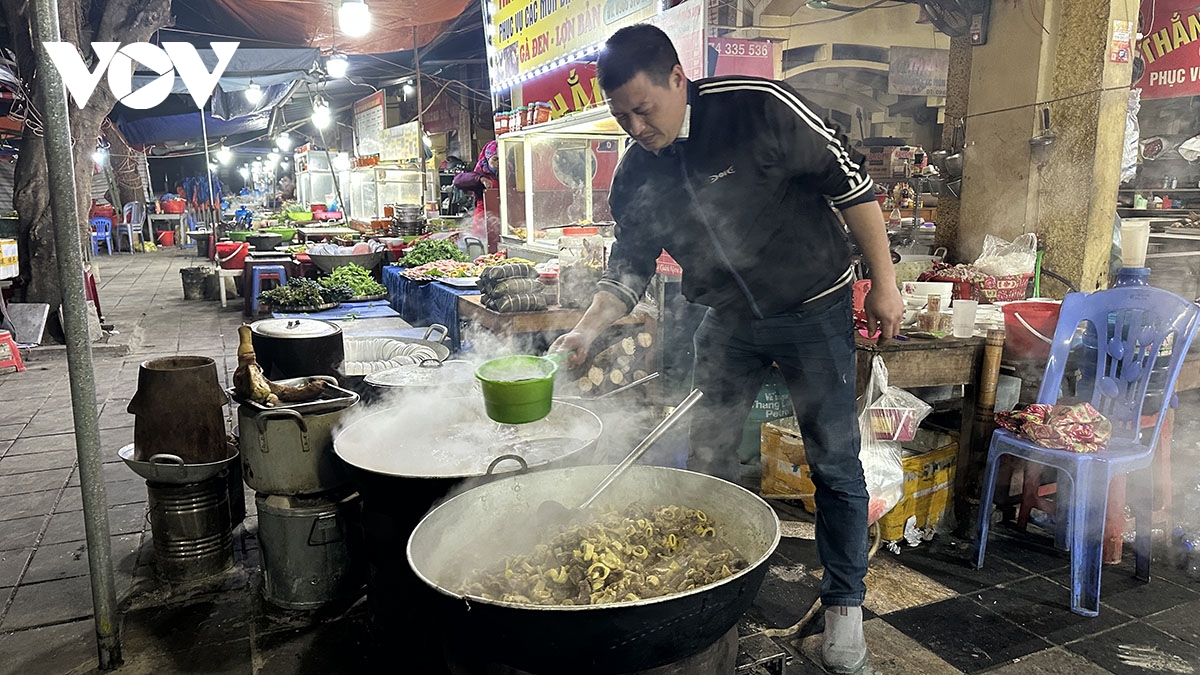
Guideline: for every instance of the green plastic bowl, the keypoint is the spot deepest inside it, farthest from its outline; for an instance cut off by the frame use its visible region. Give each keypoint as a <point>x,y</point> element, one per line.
<point>238,235</point>
<point>300,216</point>
<point>517,389</point>
<point>288,233</point>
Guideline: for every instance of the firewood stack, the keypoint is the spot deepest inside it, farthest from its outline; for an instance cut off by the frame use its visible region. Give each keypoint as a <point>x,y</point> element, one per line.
<point>614,366</point>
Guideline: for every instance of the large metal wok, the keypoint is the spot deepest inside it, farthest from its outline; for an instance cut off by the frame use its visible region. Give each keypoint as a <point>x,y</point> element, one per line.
<point>478,528</point>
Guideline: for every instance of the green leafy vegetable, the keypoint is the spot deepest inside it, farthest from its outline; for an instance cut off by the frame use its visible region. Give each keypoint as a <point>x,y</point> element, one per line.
<point>301,292</point>
<point>356,278</point>
<point>427,251</point>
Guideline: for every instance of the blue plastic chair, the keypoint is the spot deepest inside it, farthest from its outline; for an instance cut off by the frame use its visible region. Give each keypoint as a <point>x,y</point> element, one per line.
<point>1131,325</point>
<point>258,274</point>
<point>101,232</point>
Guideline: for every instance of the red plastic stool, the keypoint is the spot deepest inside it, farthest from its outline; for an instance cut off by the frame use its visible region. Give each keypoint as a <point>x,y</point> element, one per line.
<point>14,354</point>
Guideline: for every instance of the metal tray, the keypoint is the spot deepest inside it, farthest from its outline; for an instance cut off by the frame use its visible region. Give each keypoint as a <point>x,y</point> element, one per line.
<point>460,282</point>
<point>170,469</point>
<point>332,399</point>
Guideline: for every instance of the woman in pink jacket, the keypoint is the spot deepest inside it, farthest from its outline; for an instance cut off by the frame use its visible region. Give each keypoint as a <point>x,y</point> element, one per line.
<point>484,177</point>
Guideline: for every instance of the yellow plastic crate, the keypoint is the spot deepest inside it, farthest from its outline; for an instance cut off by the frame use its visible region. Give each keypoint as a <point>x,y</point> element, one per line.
<point>928,478</point>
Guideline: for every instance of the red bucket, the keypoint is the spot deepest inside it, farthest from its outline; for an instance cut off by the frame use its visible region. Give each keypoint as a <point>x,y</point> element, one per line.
<point>174,206</point>
<point>1029,327</point>
<point>166,238</point>
<point>232,254</point>
<point>317,208</point>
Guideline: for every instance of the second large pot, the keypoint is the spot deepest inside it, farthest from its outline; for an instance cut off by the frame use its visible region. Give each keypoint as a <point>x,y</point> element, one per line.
<point>297,347</point>
<point>480,528</point>
<point>284,452</point>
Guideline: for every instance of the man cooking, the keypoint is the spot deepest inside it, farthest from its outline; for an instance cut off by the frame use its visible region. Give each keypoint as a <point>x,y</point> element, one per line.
<point>739,181</point>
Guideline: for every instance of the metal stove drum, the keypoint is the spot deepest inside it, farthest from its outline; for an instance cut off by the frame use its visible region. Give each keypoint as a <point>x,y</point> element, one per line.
<point>308,514</point>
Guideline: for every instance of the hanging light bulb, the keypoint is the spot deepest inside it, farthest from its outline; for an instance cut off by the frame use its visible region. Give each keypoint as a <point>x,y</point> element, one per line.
<point>354,18</point>
<point>283,141</point>
<point>257,166</point>
<point>224,155</point>
<point>273,156</point>
<point>254,93</point>
<point>408,89</point>
<point>321,117</point>
<point>337,64</point>
<point>428,141</point>
<point>283,165</point>
<point>244,172</point>
<point>99,156</point>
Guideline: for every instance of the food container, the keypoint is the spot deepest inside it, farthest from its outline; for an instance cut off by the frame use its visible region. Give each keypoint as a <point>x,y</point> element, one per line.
<point>297,347</point>
<point>580,266</point>
<point>541,112</point>
<point>517,389</point>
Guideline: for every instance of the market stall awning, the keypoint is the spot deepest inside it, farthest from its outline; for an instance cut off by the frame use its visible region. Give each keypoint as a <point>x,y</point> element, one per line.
<point>185,128</point>
<point>313,22</point>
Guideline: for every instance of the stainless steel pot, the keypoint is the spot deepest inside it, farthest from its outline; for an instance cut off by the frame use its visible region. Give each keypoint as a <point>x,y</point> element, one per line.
<point>285,452</point>
<point>480,527</point>
<point>297,347</point>
<point>425,378</point>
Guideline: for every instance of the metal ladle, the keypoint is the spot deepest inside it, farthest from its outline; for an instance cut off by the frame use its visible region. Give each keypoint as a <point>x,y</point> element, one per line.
<point>550,511</point>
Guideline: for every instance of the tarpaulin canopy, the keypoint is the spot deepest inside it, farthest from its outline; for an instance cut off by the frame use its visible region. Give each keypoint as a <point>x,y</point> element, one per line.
<point>275,70</point>
<point>186,127</point>
<point>312,22</point>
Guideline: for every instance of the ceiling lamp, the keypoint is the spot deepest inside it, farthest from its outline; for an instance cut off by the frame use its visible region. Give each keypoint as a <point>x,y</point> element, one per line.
<point>283,165</point>
<point>273,156</point>
<point>354,18</point>
<point>283,141</point>
<point>321,117</point>
<point>254,93</point>
<point>244,172</point>
<point>224,155</point>
<point>99,156</point>
<point>337,64</point>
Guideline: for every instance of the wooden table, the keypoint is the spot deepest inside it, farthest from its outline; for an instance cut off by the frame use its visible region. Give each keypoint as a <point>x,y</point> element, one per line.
<point>971,362</point>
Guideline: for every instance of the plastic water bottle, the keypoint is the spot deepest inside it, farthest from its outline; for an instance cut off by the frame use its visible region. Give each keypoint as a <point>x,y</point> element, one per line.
<point>894,219</point>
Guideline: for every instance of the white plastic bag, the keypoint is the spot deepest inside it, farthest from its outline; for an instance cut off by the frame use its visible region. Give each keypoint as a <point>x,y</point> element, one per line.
<point>1133,133</point>
<point>1002,258</point>
<point>880,459</point>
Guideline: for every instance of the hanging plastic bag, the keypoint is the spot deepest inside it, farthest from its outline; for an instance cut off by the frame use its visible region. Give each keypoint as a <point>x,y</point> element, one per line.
<point>1002,258</point>
<point>1133,132</point>
<point>881,458</point>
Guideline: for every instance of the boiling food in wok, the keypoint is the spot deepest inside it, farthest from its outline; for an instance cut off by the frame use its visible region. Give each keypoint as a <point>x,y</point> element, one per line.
<point>621,556</point>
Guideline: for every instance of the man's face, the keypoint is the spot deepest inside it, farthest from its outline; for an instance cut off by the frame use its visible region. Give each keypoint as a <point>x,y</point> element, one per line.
<point>651,114</point>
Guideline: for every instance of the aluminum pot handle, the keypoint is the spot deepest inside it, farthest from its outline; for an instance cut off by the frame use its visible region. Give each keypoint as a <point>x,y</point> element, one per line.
<point>261,419</point>
<point>164,460</point>
<point>437,326</point>
<point>316,534</point>
<point>429,363</point>
<point>517,458</point>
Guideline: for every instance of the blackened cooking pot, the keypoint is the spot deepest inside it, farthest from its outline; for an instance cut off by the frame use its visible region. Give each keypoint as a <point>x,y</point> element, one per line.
<point>480,527</point>
<point>287,348</point>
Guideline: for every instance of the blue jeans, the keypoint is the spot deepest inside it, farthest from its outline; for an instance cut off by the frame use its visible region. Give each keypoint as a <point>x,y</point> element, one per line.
<point>814,349</point>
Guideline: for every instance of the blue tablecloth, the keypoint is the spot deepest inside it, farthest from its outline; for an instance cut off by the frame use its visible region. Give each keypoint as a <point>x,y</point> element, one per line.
<point>423,303</point>
<point>359,310</point>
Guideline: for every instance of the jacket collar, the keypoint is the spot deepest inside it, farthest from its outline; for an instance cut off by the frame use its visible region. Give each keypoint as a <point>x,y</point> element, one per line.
<point>686,129</point>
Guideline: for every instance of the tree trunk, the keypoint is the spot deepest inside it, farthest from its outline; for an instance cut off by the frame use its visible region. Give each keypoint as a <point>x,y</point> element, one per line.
<point>80,24</point>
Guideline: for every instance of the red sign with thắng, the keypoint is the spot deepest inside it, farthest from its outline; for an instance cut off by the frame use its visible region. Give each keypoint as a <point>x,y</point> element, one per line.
<point>568,88</point>
<point>1169,49</point>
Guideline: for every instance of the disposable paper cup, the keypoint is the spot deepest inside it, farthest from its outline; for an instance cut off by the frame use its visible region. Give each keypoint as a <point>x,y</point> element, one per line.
<point>964,318</point>
<point>1135,237</point>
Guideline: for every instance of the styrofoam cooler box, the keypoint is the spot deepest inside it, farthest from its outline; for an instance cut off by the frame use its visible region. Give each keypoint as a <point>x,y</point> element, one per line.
<point>9,266</point>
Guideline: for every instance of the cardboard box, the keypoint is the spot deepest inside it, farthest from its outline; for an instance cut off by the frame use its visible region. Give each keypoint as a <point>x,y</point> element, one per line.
<point>9,266</point>
<point>886,162</point>
<point>928,476</point>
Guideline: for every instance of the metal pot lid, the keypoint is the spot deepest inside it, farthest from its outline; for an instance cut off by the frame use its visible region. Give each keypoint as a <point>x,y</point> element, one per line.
<point>294,328</point>
<point>452,437</point>
<point>428,373</point>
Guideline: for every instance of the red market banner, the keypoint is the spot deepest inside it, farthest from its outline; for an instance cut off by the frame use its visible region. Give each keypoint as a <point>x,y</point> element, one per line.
<point>1170,49</point>
<point>569,88</point>
<point>734,56</point>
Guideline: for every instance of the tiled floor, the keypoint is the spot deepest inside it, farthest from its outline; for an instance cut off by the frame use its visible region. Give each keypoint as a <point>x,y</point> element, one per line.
<point>927,611</point>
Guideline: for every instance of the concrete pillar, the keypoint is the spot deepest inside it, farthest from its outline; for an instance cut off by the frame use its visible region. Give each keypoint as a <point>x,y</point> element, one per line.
<point>1043,51</point>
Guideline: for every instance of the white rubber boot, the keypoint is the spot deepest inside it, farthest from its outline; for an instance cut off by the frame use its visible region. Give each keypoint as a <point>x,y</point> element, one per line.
<point>844,650</point>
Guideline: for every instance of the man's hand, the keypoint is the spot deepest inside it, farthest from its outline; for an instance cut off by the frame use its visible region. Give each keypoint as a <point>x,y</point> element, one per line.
<point>576,344</point>
<point>487,183</point>
<point>885,311</point>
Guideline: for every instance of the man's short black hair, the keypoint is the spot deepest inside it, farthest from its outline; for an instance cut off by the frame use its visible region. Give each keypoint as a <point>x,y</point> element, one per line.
<point>640,48</point>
